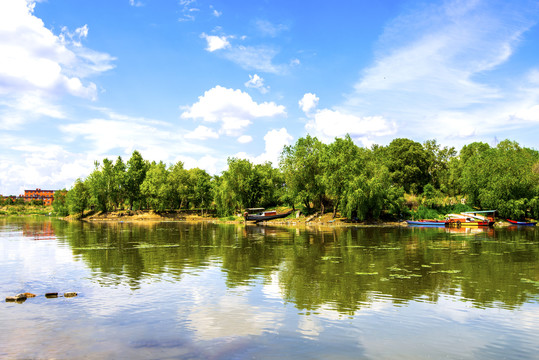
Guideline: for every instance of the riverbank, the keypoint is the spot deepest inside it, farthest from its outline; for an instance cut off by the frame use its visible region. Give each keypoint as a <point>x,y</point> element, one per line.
<point>24,209</point>
<point>293,220</point>
<point>195,216</point>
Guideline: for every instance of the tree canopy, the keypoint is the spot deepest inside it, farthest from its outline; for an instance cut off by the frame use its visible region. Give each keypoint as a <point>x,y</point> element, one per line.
<point>380,182</point>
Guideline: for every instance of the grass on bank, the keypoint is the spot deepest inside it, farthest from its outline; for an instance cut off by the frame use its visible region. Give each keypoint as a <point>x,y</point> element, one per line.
<point>14,210</point>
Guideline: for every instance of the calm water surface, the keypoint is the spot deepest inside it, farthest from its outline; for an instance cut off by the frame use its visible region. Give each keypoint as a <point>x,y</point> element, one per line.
<point>208,291</point>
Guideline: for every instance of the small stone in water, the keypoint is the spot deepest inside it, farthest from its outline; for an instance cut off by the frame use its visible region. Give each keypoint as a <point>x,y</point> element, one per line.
<point>30,295</point>
<point>70,294</point>
<point>51,295</point>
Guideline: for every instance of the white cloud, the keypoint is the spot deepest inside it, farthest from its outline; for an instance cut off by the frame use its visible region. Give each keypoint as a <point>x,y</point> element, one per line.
<point>244,139</point>
<point>533,77</point>
<point>202,133</point>
<point>258,58</point>
<point>38,68</point>
<point>122,134</point>
<point>211,164</point>
<point>434,70</point>
<point>275,141</point>
<point>327,124</point>
<point>215,12</point>
<point>40,165</point>
<point>530,113</point>
<point>256,82</point>
<point>308,102</point>
<point>135,3</point>
<point>34,59</point>
<point>215,42</point>
<point>233,108</point>
<point>14,112</point>
<point>187,10</point>
<point>269,29</point>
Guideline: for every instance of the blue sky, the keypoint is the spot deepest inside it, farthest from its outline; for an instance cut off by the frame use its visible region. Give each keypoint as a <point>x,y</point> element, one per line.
<point>200,81</point>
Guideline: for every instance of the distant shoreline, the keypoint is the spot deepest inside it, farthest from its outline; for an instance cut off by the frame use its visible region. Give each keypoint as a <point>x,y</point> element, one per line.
<point>141,216</point>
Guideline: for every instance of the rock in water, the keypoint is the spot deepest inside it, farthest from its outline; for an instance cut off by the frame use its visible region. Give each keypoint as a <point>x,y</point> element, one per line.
<point>51,295</point>
<point>29,295</point>
<point>20,298</point>
<point>70,294</point>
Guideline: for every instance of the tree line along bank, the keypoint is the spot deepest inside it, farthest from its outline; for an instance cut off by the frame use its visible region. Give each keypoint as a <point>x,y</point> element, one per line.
<point>397,181</point>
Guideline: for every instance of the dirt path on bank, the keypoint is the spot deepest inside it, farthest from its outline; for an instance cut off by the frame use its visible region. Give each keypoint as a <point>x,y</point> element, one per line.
<point>297,220</point>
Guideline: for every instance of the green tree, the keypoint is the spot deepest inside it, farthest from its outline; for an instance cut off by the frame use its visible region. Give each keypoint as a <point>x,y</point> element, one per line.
<point>59,204</point>
<point>178,179</point>
<point>118,191</point>
<point>408,163</point>
<point>371,192</point>
<point>341,161</point>
<point>77,198</point>
<point>155,188</point>
<point>439,164</point>
<point>500,178</point>
<point>98,188</point>
<point>134,177</point>
<point>302,170</point>
<point>200,185</point>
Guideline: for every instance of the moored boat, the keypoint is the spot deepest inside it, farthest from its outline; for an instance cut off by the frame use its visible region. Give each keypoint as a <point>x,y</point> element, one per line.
<point>471,218</point>
<point>522,223</point>
<point>265,216</point>
<point>426,222</point>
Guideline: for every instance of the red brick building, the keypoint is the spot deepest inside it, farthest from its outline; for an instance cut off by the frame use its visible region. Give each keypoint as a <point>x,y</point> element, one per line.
<point>46,195</point>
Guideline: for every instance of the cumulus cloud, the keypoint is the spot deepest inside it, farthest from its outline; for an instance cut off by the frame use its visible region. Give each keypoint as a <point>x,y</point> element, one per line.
<point>244,139</point>
<point>213,165</point>
<point>34,59</point>
<point>327,124</point>
<point>234,109</point>
<point>275,141</point>
<point>215,43</point>
<point>202,133</point>
<point>308,102</point>
<point>256,82</point>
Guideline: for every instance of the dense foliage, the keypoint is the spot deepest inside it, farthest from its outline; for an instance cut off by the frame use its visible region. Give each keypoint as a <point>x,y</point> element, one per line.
<point>390,182</point>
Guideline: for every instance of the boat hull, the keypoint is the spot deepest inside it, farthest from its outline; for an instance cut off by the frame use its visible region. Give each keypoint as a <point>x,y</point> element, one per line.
<point>522,223</point>
<point>426,223</point>
<point>259,218</point>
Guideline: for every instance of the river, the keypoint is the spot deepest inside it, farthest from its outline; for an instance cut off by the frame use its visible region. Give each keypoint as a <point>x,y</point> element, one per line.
<point>176,290</point>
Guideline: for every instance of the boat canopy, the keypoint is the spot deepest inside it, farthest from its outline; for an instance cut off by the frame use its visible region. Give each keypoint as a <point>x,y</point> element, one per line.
<point>254,210</point>
<point>479,212</point>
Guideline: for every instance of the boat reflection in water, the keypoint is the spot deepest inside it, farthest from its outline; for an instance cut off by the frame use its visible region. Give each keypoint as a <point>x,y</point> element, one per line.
<point>471,230</point>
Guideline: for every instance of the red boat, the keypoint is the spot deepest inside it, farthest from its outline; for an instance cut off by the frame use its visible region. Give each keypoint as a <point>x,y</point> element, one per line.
<point>522,223</point>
